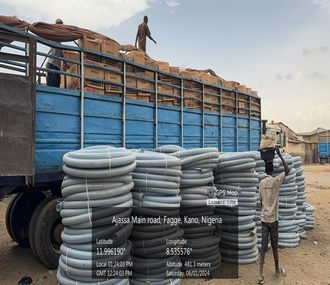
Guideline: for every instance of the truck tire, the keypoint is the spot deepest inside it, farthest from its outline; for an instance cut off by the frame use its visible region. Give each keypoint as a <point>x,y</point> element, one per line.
<point>20,214</point>
<point>33,223</point>
<point>8,212</point>
<point>47,233</point>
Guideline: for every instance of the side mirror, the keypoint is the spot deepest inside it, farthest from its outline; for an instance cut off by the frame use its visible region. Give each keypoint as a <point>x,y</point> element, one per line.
<point>264,126</point>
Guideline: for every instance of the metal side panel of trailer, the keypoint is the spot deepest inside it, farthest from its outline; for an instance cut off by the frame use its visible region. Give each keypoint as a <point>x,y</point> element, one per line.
<point>58,128</point>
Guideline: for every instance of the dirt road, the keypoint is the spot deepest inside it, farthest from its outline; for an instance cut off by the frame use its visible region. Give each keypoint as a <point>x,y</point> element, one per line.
<point>309,263</point>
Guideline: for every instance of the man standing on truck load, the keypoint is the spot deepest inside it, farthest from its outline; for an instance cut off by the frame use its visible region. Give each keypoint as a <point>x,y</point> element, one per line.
<point>142,33</point>
<point>269,190</point>
<point>54,79</point>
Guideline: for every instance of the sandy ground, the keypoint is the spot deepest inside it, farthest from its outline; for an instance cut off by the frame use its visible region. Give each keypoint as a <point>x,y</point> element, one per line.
<point>309,263</point>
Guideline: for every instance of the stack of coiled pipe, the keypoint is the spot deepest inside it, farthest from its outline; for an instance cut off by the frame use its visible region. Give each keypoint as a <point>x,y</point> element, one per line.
<point>288,226</point>
<point>96,193</point>
<point>199,221</point>
<point>310,216</point>
<point>301,196</point>
<point>156,235</point>
<point>236,179</point>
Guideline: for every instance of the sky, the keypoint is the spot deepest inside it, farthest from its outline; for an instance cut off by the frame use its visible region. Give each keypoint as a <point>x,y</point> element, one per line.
<point>280,48</point>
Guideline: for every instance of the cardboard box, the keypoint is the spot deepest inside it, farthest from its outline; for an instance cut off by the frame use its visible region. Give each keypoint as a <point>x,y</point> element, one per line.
<point>63,81</point>
<point>255,100</point>
<point>71,55</point>
<point>145,85</point>
<point>94,72</point>
<point>150,63</point>
<point>73,82</point>
<point>137,57</point>
<point>204,77</point>
<point>242,104</point>
<point>163,66</point>
<point>109,47</point>
<point>214,108</point>
<point>228,94</point>
<point>192,94</point>
<point>227,84</point>
<point>188,103</point>
<point>112,76</point>
<point>255,107</point>
<point>176,91</point>
<point>228,110</point>
<point>254,93</point>
<point>165,89</point>
<point>242,97</point>
<point>248,90</point>
<point>113,64</point>
<point>89,44</point>
<point>175,70</point>
<point>190,74</point>
<point>128,57</point>
<point>146,74</point>
<point>215,80</point>
<point>211,99</point>
<point>210,89</point>
<point>243,112</point>
<point>241,88</point>
<point>228,102</point>
<point>130,81</point>
<point>98,91</point>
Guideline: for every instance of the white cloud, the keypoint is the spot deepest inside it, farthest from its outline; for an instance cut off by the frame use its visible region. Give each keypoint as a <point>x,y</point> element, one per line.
<point>322,3</point>
<point>172,3</point>
<point>88,14</point>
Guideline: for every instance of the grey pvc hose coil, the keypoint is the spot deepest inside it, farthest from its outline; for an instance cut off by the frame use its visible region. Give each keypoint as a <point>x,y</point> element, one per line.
<point>155,194</point>
<point>168,148</point>
<point>98,178</point>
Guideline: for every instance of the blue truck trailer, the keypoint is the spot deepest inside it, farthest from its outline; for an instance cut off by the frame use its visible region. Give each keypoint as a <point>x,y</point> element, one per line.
<point>324,147</point>
<point>39,124</point>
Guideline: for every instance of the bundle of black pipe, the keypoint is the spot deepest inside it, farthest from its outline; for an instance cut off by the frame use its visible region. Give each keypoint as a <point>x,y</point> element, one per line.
<point>301,196</point>
<point>288,225</point>
<point>96,194</point>
<point>200,224</point>
<point>310,216</point>
<point>236,180</point>
<point>156,236</point>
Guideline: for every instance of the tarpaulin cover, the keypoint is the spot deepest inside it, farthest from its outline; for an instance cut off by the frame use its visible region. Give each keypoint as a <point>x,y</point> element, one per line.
<point>58,32</point>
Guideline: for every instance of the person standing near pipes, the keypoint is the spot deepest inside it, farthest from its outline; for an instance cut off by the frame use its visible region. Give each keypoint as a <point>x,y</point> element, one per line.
<point>269,190</point>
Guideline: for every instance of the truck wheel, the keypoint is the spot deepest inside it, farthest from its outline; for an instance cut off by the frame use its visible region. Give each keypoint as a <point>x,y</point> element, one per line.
<point>20,215</point>
<point>47,233</point>
<point>8,212</point>
<point>33,223</point>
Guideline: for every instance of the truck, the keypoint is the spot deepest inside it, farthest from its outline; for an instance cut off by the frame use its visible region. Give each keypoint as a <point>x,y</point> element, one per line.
<point>39,124</point>
<point>324,148</point>
<point>270,129</point>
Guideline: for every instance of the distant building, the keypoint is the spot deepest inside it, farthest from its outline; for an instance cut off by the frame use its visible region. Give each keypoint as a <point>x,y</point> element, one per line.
<point>303,144</point>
